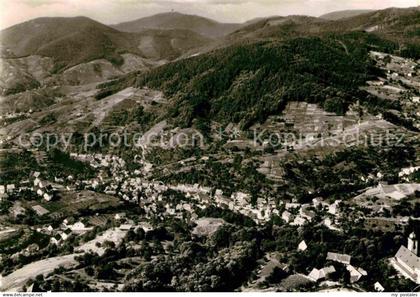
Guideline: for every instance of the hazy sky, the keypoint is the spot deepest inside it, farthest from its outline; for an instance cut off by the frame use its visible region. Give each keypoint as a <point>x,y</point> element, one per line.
<point>115,11</point>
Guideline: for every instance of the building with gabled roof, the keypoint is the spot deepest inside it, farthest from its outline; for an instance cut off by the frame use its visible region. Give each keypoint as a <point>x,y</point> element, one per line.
<point>316,274</point>
<point>319,274</point>
<point>302,246</point>
<point>341,258</point>
<point>378,287</point>
<point>286,216</point>
<point>407,260</point>
<point>355,273</point>
<point>56,239</point>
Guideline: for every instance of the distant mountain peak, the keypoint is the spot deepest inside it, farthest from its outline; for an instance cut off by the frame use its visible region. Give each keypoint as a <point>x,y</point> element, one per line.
<point>176,20</point>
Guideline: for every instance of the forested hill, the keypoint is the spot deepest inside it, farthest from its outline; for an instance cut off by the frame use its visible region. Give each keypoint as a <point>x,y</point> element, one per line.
<point>398,25</point>
<point>246,83</point>
<point>337,15</point>
<point>76,40</point>
<point>257,69</point>
<point>174,20</point>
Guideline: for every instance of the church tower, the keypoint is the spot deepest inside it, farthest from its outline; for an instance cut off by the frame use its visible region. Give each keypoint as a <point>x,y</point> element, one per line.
<point>413,244</point>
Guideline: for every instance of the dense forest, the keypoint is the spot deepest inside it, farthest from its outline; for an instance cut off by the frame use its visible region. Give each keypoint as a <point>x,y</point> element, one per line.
<point>246,83</point>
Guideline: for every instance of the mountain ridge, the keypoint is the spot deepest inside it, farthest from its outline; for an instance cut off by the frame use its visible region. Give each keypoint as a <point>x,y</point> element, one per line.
<point>63,43</point>
<point>341,14</point>
<point>175,20</point>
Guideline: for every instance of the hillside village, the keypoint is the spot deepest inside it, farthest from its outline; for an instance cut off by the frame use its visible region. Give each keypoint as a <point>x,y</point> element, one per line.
<point>158,201</point>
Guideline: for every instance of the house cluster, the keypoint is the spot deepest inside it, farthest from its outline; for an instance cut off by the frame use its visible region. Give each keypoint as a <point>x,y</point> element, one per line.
<point>133,188</point>
<point>42,188</point>
<point>356,273</point>
<point>402,76</point>
<point>113,176</point>
<point>100,160</point>
<point>240,202</point>
<point>59,235</point>
<point>6,190</point>
<point>148,193</point>
<point>397,66</point>
<point>406,172</point>
<point>297,214</point>
<point>151,198</point>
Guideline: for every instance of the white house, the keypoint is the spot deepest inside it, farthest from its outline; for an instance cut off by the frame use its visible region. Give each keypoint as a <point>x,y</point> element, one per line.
<point>333,208</point>
<point>47,197</point>
<point>241,198</point>
<point>319,274</point>
<point>56,239</point>
<point>298,221</point>
<point>40,192</point>
<point>316,274</point>
<point>330,224</point>
<point>10,188</point>
<point>341,258</point>
<point>65,234</point>
<point>120,216</point>
<point>302,246</point>
<point>36,181</point>
<point>286,216</point>
<point>126,227</point>
<point>41,184</point>
<point>292,205</point>
<point>355,273</point>
<point>378,287</point>
<point>187,207</point>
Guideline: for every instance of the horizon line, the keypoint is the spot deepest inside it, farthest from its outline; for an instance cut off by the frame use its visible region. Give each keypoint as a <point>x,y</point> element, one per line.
<point>198,15</point>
